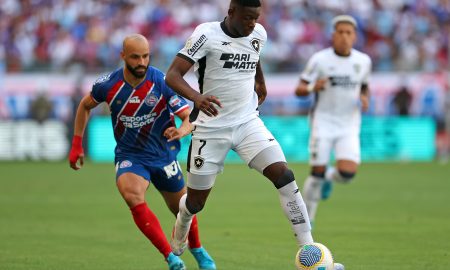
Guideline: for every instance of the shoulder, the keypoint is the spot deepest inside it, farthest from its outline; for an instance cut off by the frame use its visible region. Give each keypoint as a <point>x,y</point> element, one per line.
<point>260,32</point>
<point>208,27</point>
<point>105,80</point>
<point>322,54</point>
<point>362,56</point>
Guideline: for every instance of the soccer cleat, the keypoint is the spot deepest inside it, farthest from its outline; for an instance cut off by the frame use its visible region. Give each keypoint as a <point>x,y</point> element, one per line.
<point>327,188</point>
<point>205,262</point>
<point>175,263</point>
<point>338,266</point>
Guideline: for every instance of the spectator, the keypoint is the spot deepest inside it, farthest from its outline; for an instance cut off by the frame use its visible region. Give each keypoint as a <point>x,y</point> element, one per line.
<point>402,101</point>
<point>398,35</point>
<point>41,108</point>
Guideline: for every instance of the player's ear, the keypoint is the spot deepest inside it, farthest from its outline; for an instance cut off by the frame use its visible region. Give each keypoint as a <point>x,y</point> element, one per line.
<point>122,55</point>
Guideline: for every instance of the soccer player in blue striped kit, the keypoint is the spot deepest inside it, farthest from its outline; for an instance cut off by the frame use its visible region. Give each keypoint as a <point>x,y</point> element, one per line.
<point>142,108</point>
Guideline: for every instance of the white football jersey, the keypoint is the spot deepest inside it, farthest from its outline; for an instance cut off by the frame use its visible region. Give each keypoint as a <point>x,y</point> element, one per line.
<point>338,103</point>
<point>225,68</point>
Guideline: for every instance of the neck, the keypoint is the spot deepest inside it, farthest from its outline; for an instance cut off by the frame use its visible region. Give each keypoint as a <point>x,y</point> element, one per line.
<point>131,79</point>
<point>342,53</point>
<point>228,29</point>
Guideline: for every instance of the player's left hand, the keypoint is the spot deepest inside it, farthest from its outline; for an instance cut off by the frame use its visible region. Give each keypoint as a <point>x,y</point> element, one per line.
<point>364,103</point>
<point>76,153</point>
<point>173,133</point>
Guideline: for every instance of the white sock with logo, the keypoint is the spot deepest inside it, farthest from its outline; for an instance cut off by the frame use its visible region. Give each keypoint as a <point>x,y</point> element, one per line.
<point>295,210</point>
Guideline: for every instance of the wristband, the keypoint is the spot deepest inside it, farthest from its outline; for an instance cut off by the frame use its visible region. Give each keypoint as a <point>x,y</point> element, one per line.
<point>77,141</point>
<point>310,87</point>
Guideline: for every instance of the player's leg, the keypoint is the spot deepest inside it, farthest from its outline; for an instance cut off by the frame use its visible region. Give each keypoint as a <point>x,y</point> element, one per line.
<point>170,184</point>
<point>132,185</point>
<point>348,158</point>
<point>315,187</point>
<point>257,146</point>
<point>313,190</point>
<point>206,155</point>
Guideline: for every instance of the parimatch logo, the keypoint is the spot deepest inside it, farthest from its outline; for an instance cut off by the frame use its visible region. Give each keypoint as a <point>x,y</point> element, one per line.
<point>238,61</point>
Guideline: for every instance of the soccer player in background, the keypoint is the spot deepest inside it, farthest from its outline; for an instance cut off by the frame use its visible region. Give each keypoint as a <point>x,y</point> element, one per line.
<point>338,77</point>
<point>225,117</point>
<point>142,108</point>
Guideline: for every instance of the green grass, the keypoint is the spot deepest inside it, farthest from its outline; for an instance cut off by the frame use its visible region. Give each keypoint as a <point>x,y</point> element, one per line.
<point>393,216</point>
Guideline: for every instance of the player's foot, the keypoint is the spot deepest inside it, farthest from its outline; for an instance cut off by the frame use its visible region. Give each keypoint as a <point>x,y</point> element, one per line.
<point>175,263</point>
<point>179,237</point>
<point>327,188</point>
<point>205,262</point>
<point>338,266</point>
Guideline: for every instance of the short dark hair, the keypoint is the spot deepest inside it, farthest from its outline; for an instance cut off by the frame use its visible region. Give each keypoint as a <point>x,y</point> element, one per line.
<point>247,3</point>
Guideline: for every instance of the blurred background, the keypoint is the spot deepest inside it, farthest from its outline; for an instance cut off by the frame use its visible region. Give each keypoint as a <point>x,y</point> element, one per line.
<point>51,51</point>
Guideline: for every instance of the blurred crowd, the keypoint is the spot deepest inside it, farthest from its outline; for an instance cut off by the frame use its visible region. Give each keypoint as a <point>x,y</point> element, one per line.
<point>59,35</point>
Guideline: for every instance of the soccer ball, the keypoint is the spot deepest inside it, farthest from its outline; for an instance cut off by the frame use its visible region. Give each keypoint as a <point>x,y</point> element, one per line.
<point>314,257</point>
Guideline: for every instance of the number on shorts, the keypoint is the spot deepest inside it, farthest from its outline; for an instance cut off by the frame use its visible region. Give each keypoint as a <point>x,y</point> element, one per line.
<point>203,145</point>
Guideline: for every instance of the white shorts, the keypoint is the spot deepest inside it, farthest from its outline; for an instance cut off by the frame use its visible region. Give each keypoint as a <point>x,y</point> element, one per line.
<point>209,147</point>
<point>345,146</point>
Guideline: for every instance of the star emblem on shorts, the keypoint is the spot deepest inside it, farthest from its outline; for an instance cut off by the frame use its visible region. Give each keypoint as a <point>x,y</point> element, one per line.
<point>198,162</point>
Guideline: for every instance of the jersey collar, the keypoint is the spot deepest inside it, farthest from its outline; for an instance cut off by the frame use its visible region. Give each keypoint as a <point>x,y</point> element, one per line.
<point>225,29</point>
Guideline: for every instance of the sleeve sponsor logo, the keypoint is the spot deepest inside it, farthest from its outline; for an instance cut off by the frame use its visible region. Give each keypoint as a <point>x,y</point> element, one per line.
<point>193,49</point>
<point>103,78</point>
<point>125,164</point>
<point>174,101</point>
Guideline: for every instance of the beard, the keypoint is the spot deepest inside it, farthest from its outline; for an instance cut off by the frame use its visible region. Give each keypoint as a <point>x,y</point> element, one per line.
<point>136,73</point>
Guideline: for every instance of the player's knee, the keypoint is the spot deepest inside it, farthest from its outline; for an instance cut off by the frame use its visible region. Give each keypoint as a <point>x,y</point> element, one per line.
<point>286,178</point>
<point>318,174</point>
<point>346,176</point>
<point>194,206</point>
<point>132,198</point>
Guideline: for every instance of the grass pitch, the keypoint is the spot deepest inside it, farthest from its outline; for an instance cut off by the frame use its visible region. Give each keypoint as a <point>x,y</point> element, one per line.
<point>393,216</point>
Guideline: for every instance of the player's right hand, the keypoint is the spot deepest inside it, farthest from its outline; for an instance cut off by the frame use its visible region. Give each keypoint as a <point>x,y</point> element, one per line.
<point>320,84</point>
<point>206,103</point>
<point>76,153</point>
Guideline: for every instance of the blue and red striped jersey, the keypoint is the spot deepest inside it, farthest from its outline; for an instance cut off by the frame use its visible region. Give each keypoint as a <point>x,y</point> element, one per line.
<point>140,115</point>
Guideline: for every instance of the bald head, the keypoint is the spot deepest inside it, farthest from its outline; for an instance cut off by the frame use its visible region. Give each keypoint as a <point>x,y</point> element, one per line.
<point>136,54</point>
<point>134,40</point>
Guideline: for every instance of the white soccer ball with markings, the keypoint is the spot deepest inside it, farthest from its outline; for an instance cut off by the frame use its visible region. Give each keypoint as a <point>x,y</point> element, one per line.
<point>314,257</point>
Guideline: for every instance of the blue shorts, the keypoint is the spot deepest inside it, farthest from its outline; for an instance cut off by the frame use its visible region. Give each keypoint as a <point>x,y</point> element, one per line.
<point>164,178</point>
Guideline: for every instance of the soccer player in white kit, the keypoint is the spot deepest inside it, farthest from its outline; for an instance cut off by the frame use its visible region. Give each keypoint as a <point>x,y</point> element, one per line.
<point>225,56</point>
<point>338,76</point>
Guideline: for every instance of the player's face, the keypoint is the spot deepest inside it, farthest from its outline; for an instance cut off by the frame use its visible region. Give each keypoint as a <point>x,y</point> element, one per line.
<point>243,19</point>
<point>137,58</point>
<point>344,37</point>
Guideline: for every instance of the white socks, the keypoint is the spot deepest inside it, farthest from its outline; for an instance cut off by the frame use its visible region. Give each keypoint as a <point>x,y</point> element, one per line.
<point>295,210</point>
<point>312,190</point>
<point>184,220</point>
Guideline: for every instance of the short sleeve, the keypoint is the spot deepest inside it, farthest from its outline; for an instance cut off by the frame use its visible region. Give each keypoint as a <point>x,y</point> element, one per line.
<point>366,77</point>
<point>312,70</point>
<point>196,46</point>
<point>98,92</point>
<point>175,102</point>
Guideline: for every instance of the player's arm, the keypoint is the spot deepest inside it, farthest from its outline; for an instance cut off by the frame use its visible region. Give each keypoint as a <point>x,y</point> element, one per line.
<point>260,84</point>
<point>364,97</point>
<point>174,79</point>
<point>305,88</point>
<point>173,133</point>
<point>81,119</point>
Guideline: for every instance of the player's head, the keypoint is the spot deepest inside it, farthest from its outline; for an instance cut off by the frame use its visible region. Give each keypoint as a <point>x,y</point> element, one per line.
<point>344,35</point>
<point>136,54</point>
<point>242,16</point>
